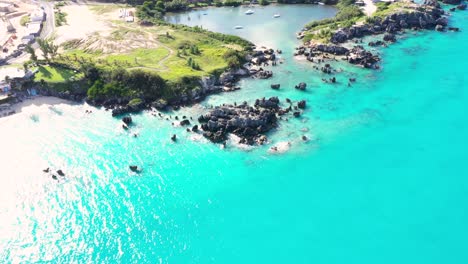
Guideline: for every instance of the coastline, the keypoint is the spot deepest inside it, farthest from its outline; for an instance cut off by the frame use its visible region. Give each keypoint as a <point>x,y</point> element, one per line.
<point>32,102</point>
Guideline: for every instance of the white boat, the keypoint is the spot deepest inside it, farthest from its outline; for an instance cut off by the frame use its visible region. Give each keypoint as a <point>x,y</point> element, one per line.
<point>320,3</point>
<point>239,27</point>
<point>276,15</point>
<point>249,12</point>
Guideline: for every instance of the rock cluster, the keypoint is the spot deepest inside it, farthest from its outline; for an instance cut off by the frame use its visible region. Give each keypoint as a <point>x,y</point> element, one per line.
<point>250,123</point>
<point>427,16</point>
<point>358,55</point>
<point>301,86</point>
<point>125,109</point>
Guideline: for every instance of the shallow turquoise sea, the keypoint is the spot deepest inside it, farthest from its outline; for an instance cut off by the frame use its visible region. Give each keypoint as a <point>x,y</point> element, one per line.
<point>383,180</point>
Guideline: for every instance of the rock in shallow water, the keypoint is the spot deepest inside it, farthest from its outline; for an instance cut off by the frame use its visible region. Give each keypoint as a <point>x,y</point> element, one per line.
<point>247,122</point>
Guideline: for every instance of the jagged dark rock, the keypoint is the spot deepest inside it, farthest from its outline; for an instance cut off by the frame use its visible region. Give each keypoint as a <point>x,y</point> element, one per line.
<point>358,55</point>
<point>301,86</point>
<point>160,104</point>
<point>452,2</point>
<point>331,49</point>
<point>185,122</point>
<point>301,104</point>
<point>134,168</point>
<point>275,86</point>
<point>389,37</point>
<point>247,122</point>
<point>127,120</point>
<point>461,6</point>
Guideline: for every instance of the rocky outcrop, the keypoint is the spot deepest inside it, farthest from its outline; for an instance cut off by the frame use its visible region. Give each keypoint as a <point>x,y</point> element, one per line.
<point>424,17</point>
<point>389,37</point>
<point>301,86</point>
<point>330,49</point>
<point>275,86</point>
<point>461,7</point>
<point>301,104</point>
<point>358,55</point>
<point>160,104</point>
<point>250,123</point>
<point>121,110</point>
<point>127,120</point>
<point>452,2</point>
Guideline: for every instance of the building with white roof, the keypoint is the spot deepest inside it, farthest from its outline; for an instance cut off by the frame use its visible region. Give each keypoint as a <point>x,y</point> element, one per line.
<point>37,15</point>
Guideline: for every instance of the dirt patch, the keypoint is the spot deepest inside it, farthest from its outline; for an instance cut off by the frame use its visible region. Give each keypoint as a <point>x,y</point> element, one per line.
<point>81,23</point>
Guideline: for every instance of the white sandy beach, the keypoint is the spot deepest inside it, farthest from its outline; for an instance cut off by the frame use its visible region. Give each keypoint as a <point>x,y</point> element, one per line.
<point>33,102</point>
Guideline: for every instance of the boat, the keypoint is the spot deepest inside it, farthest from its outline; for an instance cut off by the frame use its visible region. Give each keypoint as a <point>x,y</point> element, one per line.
<point>249,12</point>
<point>276,15</point>
<point>320,3</point>
<point>239,27</point>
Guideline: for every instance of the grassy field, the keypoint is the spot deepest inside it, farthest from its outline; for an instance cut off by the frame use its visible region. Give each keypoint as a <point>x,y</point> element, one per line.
<point>56,75</point>
<point>169,52</point>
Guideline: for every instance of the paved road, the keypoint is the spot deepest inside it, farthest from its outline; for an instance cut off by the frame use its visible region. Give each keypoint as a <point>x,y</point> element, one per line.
<point>49,25</point>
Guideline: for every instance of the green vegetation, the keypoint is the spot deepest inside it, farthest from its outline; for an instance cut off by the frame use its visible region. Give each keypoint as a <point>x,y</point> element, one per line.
<point>385,8</point>
<point>321,30</point>
<point>171,63</point>
<point>24,20</point>
<point>49,50</point>
<point>32,53</point>
<point>56,74</point>
<point>264,2</point>
<point>60,18</point>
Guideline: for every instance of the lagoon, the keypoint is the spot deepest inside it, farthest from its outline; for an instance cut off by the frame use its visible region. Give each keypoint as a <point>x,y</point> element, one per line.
<point>383,179</point>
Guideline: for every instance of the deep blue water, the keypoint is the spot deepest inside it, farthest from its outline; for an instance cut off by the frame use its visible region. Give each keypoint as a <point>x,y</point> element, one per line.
<point>384,179</point>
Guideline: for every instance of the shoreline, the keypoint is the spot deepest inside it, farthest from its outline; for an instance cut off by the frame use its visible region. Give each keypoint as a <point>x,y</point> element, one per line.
<point>36,101</point>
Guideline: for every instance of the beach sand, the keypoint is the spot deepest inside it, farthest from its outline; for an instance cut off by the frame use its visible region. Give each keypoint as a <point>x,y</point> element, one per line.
<point>32,102</point>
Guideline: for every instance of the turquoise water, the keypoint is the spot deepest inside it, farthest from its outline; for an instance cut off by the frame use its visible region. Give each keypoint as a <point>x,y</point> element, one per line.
<point>382,181</point>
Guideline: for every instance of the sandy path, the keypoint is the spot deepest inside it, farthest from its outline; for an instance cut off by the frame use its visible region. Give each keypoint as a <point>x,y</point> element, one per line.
<point>370,7</point>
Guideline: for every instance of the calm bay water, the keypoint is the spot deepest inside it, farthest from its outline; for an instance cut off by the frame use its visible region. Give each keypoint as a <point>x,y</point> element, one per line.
<point>382,181</point>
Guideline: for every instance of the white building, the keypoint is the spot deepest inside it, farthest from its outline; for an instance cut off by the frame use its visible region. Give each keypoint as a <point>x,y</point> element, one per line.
<point>37,15</point>
<point>27,39</point>
<point>34,29</point>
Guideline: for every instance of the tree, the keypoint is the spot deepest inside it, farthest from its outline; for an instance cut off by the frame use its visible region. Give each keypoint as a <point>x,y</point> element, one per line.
<point>29,49</point>
<point>44,47</point>
<point>26,67</point>
<point>48,48</point>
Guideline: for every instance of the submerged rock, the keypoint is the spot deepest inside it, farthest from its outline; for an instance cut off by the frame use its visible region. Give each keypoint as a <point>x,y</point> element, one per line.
<point>301,104</point>
<point>275,86</point>
<point>127,120</point>
<point>301,86</point>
